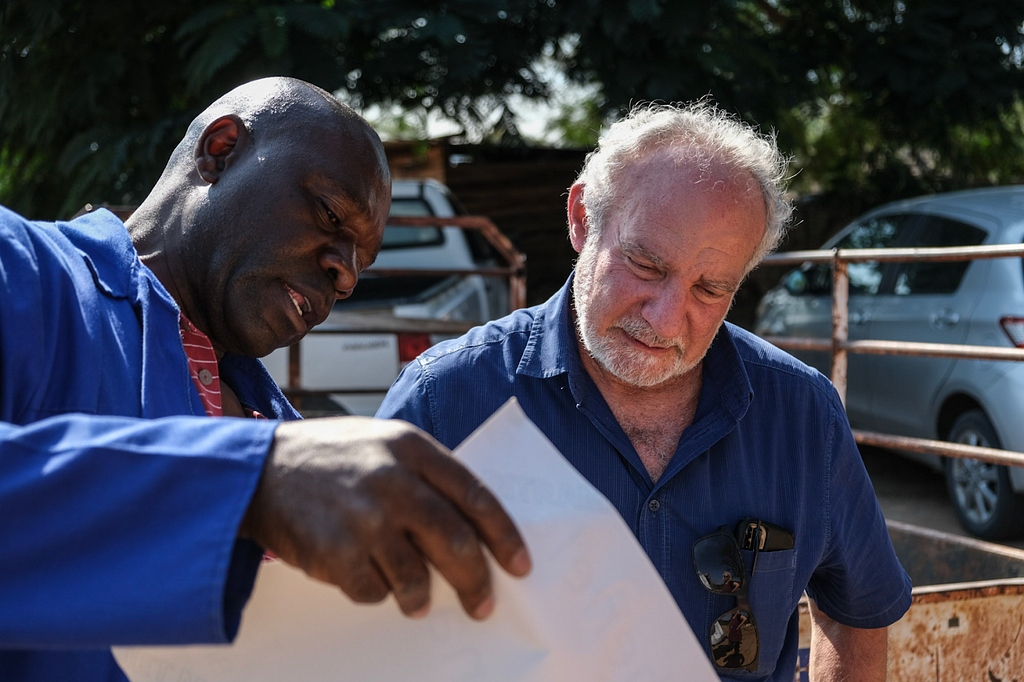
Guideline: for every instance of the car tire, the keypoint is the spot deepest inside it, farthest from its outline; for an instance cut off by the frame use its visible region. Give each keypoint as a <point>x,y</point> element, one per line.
<point>981,492</point>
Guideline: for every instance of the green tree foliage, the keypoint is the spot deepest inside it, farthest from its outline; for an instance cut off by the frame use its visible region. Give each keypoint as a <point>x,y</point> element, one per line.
<point>93,95</point>
<point>877,98</point>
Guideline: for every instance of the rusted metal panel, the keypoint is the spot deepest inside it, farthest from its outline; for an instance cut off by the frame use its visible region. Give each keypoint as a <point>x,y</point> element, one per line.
<point>951,633</point>
<point>955,631</point>
<point>972,633</point>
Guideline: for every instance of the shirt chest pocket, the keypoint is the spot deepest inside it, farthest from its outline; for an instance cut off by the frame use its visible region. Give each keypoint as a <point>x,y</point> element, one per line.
<point>772,601</point>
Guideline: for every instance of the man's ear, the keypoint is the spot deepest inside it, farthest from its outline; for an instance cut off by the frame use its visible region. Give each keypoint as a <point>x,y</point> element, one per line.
<point>219,146</point>
<point>578,224</point>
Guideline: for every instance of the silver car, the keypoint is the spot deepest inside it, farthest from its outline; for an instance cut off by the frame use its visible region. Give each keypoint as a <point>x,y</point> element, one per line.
<point>974,302</point>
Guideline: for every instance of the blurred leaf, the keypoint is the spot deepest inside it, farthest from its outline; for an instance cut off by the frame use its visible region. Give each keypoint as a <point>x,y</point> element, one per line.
<point>645,10</point>
<point>218,48</point>
<point>273,25</point>
<point>318,21</point>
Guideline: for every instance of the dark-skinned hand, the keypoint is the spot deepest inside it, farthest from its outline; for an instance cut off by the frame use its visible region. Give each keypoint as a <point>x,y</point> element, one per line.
<point>366,503</point>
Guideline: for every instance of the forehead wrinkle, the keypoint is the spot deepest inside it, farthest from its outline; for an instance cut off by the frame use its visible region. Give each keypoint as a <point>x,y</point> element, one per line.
<point>336,193</point>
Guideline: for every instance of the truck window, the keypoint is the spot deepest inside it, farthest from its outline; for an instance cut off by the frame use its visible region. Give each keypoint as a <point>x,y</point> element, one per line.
<point>407,237</point>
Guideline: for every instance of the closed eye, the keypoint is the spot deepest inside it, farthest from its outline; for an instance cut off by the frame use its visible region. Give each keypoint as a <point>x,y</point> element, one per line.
<point>712,293</point>
<point>640,265</point>
<point>335,220</point>
<point>642,268</point>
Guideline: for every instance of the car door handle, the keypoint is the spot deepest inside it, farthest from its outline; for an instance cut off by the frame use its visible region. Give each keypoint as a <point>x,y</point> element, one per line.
<point>860,317</point>
<point>945,318</point>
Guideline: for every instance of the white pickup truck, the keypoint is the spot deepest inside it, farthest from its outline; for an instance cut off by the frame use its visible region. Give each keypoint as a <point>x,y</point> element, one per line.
<point>347,371</point>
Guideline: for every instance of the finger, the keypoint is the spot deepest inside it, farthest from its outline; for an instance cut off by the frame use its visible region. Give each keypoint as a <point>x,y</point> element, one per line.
<point>455,482</point>
<point>405,570</point>
<point>362,582</point>
<point>449,542</point>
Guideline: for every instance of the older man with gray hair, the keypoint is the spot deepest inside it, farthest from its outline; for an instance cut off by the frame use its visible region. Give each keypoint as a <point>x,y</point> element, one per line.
<point>732,462</point>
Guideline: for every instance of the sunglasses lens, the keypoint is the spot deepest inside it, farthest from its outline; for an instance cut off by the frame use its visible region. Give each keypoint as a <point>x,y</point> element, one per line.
<point>734,640</point>
<point>718,563</point>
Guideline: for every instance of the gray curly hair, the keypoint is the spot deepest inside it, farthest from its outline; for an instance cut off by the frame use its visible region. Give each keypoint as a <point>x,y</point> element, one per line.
<point>712,134</point>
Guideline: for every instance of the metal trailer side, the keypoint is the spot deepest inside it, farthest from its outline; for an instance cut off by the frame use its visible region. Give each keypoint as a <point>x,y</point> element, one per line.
<point>966,621</point>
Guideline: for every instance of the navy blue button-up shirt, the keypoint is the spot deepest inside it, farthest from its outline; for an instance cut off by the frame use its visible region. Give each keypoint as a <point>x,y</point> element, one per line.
<point>769,440</point>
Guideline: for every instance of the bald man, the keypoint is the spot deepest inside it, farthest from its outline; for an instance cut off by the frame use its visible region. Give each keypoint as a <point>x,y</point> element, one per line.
<point>129,516</point>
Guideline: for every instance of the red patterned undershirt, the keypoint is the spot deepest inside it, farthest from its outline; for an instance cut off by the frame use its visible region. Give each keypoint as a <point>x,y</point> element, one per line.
<point>202,366</point>
<point>204,370</point>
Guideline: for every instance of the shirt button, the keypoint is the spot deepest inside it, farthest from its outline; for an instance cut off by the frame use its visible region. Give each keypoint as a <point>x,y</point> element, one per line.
<point>654,505</point>
<point>206,376</point>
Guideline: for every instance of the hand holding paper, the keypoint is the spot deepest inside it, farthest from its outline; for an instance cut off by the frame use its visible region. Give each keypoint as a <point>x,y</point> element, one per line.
<point>593,608</point>
<point>354,502</point>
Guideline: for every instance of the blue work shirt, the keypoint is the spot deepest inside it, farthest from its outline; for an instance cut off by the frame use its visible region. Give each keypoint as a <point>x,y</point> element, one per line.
<point>769,440</point>
<point>120,500</point>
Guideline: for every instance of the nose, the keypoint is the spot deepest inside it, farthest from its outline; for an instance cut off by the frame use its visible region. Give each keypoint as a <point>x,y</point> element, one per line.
<point>340,266</point>
<point>665,311</point>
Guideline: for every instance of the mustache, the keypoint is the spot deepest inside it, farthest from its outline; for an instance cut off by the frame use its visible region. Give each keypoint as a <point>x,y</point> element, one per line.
<point>640,330</point>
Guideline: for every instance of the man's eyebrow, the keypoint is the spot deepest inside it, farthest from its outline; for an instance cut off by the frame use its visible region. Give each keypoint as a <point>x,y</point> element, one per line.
<point>632,248</point>
<point>723,285</point>
<point>344,199</point>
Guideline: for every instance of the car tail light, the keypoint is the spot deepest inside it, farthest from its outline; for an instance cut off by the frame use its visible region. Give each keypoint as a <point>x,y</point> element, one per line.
<point>1014,328</point>
<point>411,345</point>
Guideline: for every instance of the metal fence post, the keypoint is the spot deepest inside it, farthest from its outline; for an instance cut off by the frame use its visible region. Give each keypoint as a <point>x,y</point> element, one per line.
<point>840,322</point>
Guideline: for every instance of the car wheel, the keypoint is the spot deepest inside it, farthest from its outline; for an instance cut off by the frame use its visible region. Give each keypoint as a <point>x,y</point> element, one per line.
<point>981,492</point>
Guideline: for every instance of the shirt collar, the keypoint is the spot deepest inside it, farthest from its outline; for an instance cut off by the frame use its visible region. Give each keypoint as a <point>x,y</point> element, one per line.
<point>107,249</point>
<point>725,373</point>
<point>552,349</point>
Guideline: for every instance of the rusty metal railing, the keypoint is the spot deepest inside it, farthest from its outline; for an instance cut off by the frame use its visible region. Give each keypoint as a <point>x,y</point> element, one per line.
<point>840,345</point>
<point>357,323</point>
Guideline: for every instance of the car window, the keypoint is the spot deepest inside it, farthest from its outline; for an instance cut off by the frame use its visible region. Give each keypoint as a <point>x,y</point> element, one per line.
<point>937,278</point>
<point>404,237</point>
<point>865,278</point>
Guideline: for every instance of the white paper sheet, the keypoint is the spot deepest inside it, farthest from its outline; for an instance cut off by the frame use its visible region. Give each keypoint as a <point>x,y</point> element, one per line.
<point>594,608</point>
